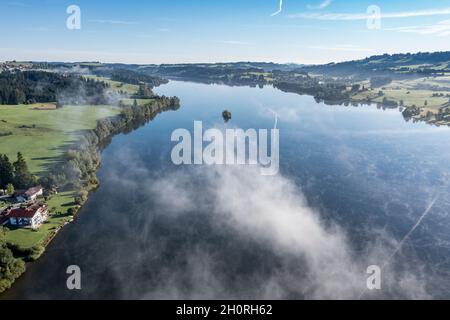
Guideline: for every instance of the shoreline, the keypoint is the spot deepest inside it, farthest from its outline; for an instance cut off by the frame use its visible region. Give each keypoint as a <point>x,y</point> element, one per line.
<point>417,105</point>
<point>129,119</point>
<point>94,141</point>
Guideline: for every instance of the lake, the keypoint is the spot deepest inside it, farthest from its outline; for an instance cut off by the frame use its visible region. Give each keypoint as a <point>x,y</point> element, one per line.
<point>358,186</point>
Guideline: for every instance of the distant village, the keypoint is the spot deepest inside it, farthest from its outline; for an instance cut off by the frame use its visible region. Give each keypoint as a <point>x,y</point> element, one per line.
<point>14,66</point>
<point>24,209</point>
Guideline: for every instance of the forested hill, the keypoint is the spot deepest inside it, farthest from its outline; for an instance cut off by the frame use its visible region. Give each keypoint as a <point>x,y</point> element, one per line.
<point>131,77</point>
<point>435,63</point>
<point>21,87</point>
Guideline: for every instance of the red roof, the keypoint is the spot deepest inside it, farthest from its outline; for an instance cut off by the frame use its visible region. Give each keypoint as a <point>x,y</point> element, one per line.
<point>29,212</point>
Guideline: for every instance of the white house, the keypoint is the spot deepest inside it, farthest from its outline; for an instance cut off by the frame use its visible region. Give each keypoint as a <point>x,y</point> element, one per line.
<point>33,193</point>
<point>32,216</point>
<point>30,194</point>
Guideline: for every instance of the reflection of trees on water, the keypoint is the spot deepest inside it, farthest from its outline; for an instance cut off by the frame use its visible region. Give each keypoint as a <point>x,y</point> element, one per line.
<point>332,93</point>
<point>333,97</point>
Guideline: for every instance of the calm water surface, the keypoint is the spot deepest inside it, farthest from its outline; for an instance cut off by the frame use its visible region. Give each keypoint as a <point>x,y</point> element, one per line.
<point>153,230</point>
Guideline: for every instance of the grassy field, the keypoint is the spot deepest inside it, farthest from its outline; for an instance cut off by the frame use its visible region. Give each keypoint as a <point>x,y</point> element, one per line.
<point>116,85</point>
<point>41,133</point>
<point>409,97</point>
<point>140,102</point>
<point>58,206</point>
<point>410,93</point>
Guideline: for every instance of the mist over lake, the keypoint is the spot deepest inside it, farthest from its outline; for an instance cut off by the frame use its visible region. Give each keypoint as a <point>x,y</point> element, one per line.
<point>353,182</point>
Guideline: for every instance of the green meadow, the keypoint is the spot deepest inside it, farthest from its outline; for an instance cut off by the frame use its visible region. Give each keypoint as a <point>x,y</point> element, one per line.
<point>116,85</point>
<point>411,92</point>
<point>41,133</point>
<point>58,206</point>
<point>140,102</point>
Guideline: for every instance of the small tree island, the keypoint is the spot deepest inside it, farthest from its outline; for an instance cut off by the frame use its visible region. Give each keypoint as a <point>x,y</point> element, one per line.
<point>226,116</point>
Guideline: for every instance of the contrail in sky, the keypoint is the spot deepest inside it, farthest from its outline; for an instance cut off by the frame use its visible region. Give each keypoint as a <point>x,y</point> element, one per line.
<point>400,245</point>
<point>431,205</point>
<point>279,11</point>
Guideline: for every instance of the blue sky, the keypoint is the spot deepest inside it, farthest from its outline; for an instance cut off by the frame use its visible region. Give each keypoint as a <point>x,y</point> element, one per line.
<point>175,31</point>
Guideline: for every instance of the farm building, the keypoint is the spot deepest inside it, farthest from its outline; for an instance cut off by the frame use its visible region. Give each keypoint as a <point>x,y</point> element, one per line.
<point>29,195</point>
<point>32,216</point>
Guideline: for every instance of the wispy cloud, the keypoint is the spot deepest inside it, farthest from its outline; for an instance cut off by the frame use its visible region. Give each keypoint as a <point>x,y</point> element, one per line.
<point>235,42</point>
<point>18,4</point>
<point>152,35</point>
<point>365,16</point>
<point>114,22</point>
<point>40,29</point>
<point>324,4</point>
<point>343,47</point>
<point>441,28</point>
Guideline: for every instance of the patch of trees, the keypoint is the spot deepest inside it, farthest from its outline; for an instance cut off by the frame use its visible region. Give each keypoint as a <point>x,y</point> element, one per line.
<point>355,88</point>
<point>380,64</point>
<point>410,112</point>
<point>389,103</point>
<point>132,77</point>
<point>27,87</point>
<point>26,254</point>
<point>326,92</point>
<point>240,74</point>
<point>440,95</point>
<point>144,92</point>
<point>193,71</point>
<point>15,175</point>
<point>81,197</point>
<point>10,267</point>
<point>81,161</point>
<point>376,82</point>
<point>84,91</point>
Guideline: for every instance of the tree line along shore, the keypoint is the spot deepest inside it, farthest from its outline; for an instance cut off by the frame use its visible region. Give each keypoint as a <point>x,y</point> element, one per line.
<point>56,118</point>
<point>78,132</point>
